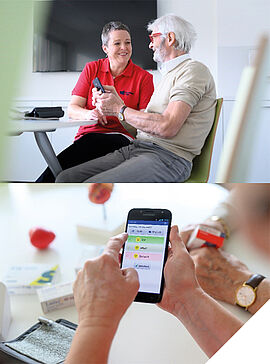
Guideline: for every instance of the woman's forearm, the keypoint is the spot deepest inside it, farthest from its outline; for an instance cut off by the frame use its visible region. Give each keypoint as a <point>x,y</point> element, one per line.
<point>77,112</point>
<point>206,320</point>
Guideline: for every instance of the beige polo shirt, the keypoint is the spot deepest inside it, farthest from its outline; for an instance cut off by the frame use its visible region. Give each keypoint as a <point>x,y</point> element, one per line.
<point>191,82</point>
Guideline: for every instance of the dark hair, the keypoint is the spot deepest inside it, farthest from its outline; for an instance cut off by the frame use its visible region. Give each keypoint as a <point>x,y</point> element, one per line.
<point>111,26</point>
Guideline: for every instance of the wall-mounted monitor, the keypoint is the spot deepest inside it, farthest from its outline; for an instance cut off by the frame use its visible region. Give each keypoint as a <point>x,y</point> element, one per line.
<point>71,35</point>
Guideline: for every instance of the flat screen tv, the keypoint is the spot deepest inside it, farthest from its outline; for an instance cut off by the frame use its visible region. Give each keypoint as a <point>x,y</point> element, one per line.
<point>71,35</point>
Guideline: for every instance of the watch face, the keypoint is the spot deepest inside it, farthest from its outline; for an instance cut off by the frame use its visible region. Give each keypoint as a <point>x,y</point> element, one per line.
<point>245,296</point>
<point>120,117</point>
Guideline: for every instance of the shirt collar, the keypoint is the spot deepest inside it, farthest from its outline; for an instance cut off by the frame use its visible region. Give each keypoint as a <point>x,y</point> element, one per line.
<point>166,67</point>
<point>128,71</point>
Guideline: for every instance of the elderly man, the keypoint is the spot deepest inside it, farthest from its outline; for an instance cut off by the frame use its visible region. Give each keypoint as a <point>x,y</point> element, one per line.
<point>173,128</point>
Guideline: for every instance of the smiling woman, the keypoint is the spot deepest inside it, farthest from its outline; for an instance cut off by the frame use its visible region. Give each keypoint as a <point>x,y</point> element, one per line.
<point>133,85</point>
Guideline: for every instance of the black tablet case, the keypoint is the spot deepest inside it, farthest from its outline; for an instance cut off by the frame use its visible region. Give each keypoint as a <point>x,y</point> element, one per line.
<point>46,112</point>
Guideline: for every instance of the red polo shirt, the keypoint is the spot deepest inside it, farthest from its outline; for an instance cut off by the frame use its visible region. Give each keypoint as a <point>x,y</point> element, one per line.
<point>134,86</point>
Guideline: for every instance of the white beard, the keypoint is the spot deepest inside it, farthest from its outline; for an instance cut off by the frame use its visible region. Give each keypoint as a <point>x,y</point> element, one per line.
<point>159,55</point>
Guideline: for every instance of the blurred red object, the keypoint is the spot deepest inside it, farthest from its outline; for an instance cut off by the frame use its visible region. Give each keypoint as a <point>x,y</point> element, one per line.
<point>41,238</point>
<point>99,193</point>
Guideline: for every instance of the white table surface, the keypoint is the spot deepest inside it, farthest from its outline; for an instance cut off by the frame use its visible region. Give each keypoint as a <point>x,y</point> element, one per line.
<point>17,127</point>
<point>146,334</point>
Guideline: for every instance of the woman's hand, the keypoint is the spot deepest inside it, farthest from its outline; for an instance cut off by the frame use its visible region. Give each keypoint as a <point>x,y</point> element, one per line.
<point>95,114</point>
<point>103,291</point>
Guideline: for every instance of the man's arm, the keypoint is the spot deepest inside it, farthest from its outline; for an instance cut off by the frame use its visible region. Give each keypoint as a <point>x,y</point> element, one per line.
<point>206,320</point>
<point>220,274</point>
<point>165,125</point>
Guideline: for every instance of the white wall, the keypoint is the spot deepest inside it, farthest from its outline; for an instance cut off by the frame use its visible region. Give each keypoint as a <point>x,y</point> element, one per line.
<point>240,24</point>
<point>203,16</point>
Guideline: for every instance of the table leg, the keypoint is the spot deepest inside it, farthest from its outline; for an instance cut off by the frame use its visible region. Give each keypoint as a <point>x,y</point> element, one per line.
<point>47,151</point>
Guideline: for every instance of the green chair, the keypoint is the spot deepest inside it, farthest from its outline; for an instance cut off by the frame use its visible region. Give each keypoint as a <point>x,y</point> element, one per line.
<point>201,164</point>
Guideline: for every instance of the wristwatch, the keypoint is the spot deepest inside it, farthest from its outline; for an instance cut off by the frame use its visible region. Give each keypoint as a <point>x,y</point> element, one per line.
<point>222,223</point>
<point>121,115</point>
<point>246,294</point>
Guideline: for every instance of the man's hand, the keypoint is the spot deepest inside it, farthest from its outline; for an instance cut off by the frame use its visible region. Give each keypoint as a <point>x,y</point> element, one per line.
<point>180,278</point>
<point>207,321</point>
<point>103,291</point>
<point>219,273</point>
<point>109,103</point>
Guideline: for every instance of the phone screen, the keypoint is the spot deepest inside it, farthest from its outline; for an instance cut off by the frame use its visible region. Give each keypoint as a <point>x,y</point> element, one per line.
<point>145,251</point>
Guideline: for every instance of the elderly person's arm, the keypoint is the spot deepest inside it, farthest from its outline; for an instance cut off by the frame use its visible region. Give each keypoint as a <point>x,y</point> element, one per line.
<point>102,292</point>
<point>220,274</point>
<point>206,320</point>
<point>165,125</point>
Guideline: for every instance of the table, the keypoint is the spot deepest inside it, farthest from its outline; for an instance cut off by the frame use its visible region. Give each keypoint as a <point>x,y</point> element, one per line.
<point>40,129</point>
<point>146,334</point>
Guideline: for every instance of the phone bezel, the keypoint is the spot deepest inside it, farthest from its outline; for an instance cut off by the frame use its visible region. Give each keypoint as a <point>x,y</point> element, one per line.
<point>148,214</point>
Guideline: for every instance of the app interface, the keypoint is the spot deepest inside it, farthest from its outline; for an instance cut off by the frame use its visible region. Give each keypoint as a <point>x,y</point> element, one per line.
<point>145,250</point>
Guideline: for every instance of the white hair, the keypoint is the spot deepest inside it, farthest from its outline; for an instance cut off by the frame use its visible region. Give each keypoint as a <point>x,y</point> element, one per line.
<point>185,33</point>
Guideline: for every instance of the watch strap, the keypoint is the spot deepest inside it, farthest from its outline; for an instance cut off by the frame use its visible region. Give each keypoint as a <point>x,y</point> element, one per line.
<point>123,108</point>
<point>255,280</point>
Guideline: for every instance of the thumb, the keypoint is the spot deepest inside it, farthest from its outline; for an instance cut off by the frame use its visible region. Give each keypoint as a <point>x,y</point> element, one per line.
<point>175,240</point>
<point>108,88</point>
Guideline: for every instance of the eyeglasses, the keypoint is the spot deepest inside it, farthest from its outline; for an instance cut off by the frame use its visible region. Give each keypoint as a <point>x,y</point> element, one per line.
<point>152,36</point>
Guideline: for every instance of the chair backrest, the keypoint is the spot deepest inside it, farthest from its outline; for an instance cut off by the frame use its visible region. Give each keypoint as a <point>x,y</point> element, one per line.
<point>201,164</point>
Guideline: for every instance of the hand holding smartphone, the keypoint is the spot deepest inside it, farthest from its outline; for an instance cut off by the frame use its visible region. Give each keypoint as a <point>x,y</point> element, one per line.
<point>98,85</point>
<point>146,250</point>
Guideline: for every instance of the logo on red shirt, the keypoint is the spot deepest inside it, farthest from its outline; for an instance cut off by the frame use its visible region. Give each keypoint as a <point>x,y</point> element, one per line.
<point>126,93</point>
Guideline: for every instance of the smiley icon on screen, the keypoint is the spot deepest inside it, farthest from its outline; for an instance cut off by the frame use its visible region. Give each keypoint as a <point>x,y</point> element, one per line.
<point>136,255</point>
<point>137,247</point>
<point>138,239</point>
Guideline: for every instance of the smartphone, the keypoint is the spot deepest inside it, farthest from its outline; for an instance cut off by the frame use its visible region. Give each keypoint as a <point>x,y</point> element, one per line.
<point>98,85</point>
<point>146,250</point>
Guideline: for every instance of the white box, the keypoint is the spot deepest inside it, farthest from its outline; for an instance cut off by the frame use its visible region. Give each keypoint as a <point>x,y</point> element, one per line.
<point>27,278</point>
<point>55,297</point>
<point>205,236</point>
<point>5,315</point>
